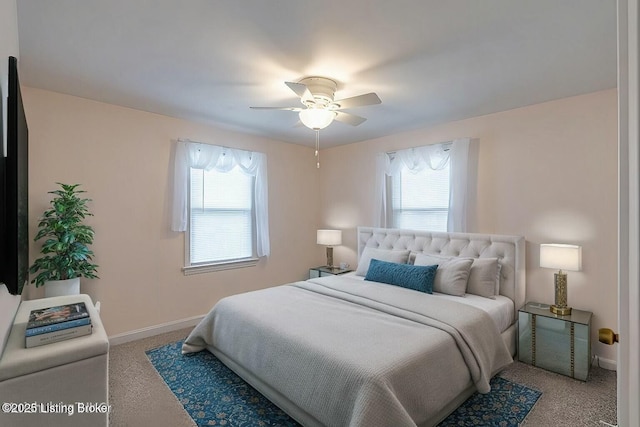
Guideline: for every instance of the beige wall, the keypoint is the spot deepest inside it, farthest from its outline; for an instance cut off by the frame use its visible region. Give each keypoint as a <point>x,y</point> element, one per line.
<point>547,172</point>
<point>8,42</point>
<point>123,158</point>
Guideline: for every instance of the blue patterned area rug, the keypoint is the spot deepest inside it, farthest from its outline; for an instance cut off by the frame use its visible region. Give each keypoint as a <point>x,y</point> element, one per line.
<point>213,395</point>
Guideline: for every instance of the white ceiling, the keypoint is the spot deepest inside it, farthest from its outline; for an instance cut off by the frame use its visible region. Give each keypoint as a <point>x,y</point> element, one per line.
<point>430,61</point>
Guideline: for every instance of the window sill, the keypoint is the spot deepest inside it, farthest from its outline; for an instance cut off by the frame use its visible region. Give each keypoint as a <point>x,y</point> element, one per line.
<point>219,266</point>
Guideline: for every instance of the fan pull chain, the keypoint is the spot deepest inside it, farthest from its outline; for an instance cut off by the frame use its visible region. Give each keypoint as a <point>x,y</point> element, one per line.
<point>317,149</point>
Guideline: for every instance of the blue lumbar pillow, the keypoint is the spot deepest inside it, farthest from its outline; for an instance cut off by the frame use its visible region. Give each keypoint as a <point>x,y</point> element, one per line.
<point>416,277</point>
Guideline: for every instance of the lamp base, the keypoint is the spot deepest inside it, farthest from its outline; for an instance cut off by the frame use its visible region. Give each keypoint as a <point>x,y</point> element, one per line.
<point>560,307</point>
<point>560,311</point>
<point>329,257</point>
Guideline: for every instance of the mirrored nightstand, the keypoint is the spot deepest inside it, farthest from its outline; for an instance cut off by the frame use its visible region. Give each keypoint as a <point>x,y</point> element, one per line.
<point>326,271</point>
<point>560,344</point>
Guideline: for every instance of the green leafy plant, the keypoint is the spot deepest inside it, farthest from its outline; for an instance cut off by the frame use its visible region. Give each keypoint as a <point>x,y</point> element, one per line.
<point>66,252</point>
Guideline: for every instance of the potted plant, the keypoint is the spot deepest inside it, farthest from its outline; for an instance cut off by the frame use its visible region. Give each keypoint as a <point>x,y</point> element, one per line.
<point>66,255</point>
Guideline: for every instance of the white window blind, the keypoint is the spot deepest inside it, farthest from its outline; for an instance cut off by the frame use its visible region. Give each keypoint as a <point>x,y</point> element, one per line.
<point>420,200</point>
<point>220,200</point>
<point>220,216</point>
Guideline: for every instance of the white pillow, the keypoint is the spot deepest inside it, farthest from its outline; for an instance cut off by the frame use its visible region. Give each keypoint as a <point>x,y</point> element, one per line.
<point>484,278</point>
<point>428,259</point>
<point>368,253</point>
<point>452,274</point>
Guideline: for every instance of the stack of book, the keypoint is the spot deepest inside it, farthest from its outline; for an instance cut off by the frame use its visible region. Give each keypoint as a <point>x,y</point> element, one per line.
<point>53,324</point>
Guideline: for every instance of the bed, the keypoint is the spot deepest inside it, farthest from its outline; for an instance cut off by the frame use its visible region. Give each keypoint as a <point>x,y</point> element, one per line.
<point>342,350</point>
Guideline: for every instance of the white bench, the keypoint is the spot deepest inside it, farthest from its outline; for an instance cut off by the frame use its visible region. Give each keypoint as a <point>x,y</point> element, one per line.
<point>60,384</point>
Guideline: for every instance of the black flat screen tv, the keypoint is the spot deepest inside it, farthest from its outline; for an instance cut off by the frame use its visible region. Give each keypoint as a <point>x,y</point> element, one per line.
<point>14,191</point>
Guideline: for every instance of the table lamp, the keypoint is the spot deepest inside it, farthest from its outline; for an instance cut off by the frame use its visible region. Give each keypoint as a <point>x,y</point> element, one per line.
<point>329,238</point>
<point>561,257</point>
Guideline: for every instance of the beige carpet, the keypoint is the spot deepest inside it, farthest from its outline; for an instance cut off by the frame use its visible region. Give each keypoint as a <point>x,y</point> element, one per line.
<point>139,397</point>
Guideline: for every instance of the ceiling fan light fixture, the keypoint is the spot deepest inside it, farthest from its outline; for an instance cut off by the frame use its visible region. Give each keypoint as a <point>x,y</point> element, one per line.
<point>317,118</point>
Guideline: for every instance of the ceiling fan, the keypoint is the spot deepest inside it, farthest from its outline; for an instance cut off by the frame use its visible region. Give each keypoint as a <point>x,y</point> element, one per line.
<point>319,107</point>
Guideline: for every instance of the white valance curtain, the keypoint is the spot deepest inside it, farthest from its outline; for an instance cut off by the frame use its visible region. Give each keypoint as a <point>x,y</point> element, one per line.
<point>197,155</point>
<point>435,157</point>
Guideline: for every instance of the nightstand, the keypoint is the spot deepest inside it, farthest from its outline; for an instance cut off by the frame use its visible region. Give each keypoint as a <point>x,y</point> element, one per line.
<point>560,344</point>
<point>326,271</point>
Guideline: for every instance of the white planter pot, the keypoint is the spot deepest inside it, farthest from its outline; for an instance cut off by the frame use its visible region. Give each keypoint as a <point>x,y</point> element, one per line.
<point>57,288</point>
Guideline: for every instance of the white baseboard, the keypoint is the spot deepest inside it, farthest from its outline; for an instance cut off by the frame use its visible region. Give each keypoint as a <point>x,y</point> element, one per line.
<point>154,330</point>
<point>608,364</point>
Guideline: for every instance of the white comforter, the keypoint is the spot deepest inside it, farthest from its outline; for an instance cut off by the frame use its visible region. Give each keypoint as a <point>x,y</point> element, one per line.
<point>357,353</point>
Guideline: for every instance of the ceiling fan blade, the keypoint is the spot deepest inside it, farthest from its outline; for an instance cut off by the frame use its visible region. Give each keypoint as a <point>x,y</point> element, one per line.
<point>350,119</point>
<point>301,90</point>
<point>277,108</point>
<point>359,101</point>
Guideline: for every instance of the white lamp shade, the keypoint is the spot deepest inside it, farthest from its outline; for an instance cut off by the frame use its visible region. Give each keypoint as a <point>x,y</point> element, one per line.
<point>561,257</point>
<point>329,237</point>
<point>316,118</point>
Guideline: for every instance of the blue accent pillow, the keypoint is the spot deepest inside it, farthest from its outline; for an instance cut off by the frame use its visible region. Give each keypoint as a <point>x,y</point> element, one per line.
<point>416,277</point>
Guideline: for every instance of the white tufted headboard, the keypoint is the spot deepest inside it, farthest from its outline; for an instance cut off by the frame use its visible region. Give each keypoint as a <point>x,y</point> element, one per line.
<point>509,250</point>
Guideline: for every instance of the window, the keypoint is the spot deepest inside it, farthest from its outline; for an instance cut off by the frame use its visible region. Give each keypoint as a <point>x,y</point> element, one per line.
<point>220,216</point>
<point>221,202</point>
<point>420,200</point>
<point>425,188</point>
